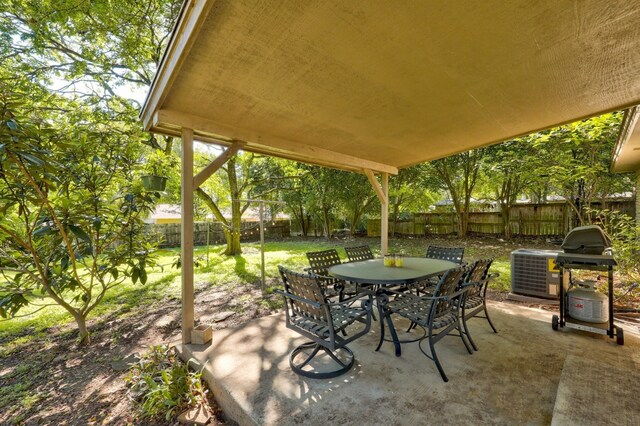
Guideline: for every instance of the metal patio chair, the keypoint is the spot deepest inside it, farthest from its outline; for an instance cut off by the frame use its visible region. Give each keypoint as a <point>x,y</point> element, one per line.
<point>474,302</point>
<point>358,253</point>
<point>319,264</point>
<point>311,314</point>
<point>451,254</point>
<point>438,314</point>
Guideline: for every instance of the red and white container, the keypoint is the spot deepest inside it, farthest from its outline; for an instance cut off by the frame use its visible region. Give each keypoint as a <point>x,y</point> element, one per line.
<point>586,304</point>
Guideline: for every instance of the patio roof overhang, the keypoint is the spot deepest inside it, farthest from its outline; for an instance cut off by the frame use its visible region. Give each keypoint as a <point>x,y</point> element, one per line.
<point>375,85</point>
<point>626,154</point>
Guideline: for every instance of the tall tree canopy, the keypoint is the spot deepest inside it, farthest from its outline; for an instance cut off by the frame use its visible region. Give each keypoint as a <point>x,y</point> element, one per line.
<point>71,148</point>
<point>509,168</point>
<point>459,176</point>
<point>88,48</point>
<point>578,159</point>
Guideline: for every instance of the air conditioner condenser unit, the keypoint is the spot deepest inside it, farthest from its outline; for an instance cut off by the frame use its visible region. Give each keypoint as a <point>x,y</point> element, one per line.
<point>534,273</point>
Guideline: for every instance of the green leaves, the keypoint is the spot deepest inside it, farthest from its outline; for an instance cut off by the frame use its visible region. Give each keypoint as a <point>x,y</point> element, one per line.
<point>71,215</point>
<point>11,303</point>
<point>94,42</point>
<point>138,272</point>
<point>162,386</point>
<point>79,232</point>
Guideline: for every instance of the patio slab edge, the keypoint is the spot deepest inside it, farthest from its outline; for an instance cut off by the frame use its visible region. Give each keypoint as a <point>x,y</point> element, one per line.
<point>223,396</point>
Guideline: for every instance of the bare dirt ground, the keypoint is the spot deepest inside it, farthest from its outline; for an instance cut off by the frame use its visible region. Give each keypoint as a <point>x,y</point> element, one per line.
<point>71,385</point>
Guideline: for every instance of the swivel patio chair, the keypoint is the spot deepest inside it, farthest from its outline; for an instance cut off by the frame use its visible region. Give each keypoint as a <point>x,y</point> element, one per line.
<point>311,314</point>
<point>438,314</point>
<point>358,253</point>
<point>474,301</point>
<point>319,263</point>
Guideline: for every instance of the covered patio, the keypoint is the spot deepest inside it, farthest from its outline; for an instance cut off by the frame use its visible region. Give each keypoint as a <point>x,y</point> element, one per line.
<point>373,87</point>
<point>525,374</point>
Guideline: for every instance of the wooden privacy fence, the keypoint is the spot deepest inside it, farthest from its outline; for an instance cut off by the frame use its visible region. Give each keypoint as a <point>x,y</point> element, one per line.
<point>168,234</point>
<point>549,219</point>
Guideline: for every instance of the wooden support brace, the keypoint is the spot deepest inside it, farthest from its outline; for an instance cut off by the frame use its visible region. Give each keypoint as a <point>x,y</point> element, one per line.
<point>204,174</point>
<point>376,186</point>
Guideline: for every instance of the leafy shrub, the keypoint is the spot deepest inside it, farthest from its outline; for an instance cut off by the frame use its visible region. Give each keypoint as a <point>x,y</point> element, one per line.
<point>625,241</point>
<point>161,385</point>
<point>159,163</point>
<point>71,216</point>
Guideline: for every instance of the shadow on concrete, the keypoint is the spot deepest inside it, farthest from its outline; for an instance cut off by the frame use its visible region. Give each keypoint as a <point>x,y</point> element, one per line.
<point>512,379</point>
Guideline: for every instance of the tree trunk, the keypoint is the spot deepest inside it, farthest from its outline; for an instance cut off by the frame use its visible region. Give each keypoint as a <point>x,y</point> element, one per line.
<point>83,332</point>
<point>352,228</point>
<point>308,224</point>
<point>233,238</point>
<point>464,220</point>
<point>327,222</point>
<point>506,220</point>
<point>303,223</point>
<point>394,223</point>
<point>228,235</point>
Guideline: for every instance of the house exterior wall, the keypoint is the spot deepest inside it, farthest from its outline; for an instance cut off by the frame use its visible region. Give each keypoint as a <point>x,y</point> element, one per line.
<point>167,220</point>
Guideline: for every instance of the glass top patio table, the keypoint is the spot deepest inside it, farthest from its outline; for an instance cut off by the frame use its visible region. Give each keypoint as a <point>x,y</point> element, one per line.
<point>374,272</point>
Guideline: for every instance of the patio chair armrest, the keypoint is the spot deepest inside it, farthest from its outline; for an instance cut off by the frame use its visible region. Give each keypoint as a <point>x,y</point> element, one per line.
<point>311,303</point>
<point>494,275</point>
<point>325,277</point>
<point>470,284</point>
<point>458,293</point>
<point>449,297</point>
<point>350,301</point>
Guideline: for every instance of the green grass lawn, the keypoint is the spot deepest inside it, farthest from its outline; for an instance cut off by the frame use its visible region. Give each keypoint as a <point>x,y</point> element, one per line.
<point>215,269</point>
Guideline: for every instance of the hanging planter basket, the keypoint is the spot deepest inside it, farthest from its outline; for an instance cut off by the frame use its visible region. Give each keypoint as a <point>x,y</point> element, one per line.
<point>154,183</point>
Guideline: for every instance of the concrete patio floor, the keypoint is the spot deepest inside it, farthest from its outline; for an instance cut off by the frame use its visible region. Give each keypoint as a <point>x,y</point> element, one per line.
<point>525,374</point>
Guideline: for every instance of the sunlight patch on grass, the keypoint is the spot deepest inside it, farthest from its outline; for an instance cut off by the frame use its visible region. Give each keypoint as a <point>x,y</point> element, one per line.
<point>162,282</point>
<point>215,269</point>
<point>503,282</point>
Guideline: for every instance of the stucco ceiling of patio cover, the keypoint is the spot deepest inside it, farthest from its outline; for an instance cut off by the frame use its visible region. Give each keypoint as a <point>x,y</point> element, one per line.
<point>384,85</point>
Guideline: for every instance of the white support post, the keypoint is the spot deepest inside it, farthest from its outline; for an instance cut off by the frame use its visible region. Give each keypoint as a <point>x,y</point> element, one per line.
<point>262,275</point>
<point>187,236</point>
<point>382,191</point>
<point>384,216</point>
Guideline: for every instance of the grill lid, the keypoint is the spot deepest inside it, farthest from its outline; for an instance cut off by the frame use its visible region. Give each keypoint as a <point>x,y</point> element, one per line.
<point>589,239</point>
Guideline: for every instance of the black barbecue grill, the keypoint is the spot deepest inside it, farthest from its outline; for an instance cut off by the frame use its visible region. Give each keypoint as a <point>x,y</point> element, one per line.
<point>586,247</point>
<point>586,240</point>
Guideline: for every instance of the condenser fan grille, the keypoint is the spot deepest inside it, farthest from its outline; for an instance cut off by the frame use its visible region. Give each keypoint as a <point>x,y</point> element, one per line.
<point>533,273</point>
